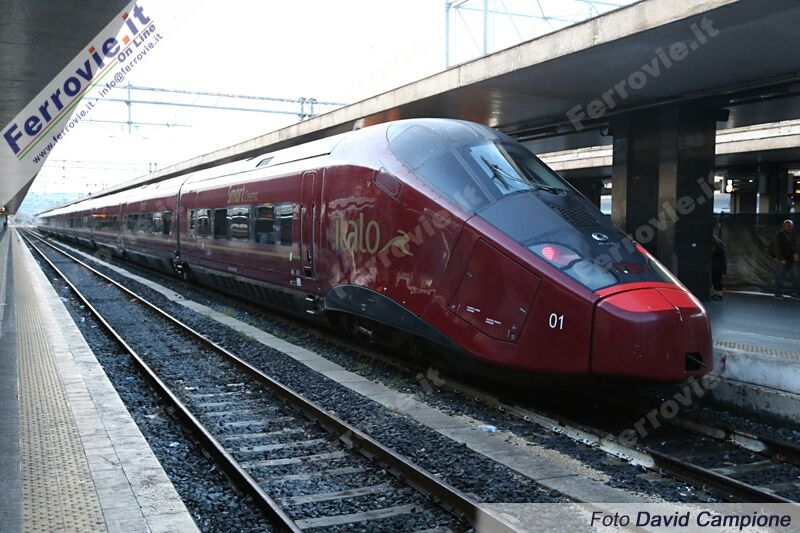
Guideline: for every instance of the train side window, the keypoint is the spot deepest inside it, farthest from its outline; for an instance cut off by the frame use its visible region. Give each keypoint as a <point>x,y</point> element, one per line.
<point>166,229</point>
<point>158,223</point>
<point>132,222</point>
<point>145,223</point>
<point>265,225</point>
<point>284,214</point>
<point>220,223</point>
<point>191,219</point>
<point>203,222</point>
<point>240,223</point>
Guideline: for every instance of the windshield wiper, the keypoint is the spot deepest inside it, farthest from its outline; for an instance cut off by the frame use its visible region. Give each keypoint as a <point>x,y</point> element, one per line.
<point>502,175</point>
<point>498,174</point>
<point>549,188</point>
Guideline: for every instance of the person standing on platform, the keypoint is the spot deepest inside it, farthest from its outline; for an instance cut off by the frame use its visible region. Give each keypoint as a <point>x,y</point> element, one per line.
<point>719,266</point>
<point>785,254</point>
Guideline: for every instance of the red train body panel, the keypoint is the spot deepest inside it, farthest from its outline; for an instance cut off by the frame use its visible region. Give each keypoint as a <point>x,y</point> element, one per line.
<point>442,230</point>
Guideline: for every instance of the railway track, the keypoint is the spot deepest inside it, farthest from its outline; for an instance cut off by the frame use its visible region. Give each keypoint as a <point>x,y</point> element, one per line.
<point>306,468</point>
<point>772,454</point>
<point>725,461</point>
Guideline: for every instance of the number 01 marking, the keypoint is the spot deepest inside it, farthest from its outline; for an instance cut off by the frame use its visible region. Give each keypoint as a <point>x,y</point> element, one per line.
<point>556,321</point>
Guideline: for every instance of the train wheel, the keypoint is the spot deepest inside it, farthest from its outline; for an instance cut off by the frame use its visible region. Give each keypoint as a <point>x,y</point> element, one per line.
<point>355,327</point>
<point>415,350</point>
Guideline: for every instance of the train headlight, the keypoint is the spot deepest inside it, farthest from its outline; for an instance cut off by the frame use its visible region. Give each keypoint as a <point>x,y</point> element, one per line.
<point>555,254</point>
<point>586,272</point>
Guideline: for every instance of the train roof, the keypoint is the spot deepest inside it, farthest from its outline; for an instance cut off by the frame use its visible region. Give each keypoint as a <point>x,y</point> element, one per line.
<point>235,171</point>
<point>310,150</point>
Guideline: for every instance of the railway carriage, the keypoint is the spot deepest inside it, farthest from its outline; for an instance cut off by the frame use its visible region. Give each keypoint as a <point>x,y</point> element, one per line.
<point>431,231</point>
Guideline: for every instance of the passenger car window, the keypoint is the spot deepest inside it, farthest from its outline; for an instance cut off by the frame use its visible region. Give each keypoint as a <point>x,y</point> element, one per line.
<point>265,225</point>
<point>284,214</point>
<point>132,222</point>
<point>220,223</point>
<point>167,227</point>
<point>158,223</point>
<point>240,223</point>
<point>203,224</point>
<point>145,223</point>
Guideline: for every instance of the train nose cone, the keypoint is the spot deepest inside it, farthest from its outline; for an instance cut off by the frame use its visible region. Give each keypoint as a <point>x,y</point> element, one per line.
<point>653,333</point>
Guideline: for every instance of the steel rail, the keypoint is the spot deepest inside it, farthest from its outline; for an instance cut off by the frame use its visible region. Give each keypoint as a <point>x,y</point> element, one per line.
<point>732,489</point>
<point>447,495</point>
<point>646,456</point>
<point>228,464</point>
<point>778,449</point>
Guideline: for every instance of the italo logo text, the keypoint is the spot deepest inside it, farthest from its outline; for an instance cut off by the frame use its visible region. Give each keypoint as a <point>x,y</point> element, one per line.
<point>364,236</point>
<point>21,134</point>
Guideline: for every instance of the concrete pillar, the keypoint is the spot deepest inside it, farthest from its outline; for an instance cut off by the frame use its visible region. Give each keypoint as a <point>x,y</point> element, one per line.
<point>743,202</point>
<point>662,186</point>
<point>763,203</point>
<point>774,189</point>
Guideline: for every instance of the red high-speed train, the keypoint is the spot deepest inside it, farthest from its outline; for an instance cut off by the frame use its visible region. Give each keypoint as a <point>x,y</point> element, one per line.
<point>432,231</point>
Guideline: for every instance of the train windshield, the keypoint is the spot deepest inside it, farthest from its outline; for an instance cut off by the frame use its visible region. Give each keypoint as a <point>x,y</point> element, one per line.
<point>471,166</point>
<point>492,175</point>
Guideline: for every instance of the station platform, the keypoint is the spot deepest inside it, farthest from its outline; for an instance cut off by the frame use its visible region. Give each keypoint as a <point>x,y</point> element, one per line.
<point>757,352</point>
<point>71,456</point>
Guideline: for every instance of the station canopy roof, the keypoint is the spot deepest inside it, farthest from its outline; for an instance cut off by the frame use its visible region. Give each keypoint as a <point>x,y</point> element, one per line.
<point>37,40</point>
<point>737,55</point>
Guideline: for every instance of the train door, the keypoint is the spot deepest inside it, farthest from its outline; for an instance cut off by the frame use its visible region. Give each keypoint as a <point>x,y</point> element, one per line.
<point>188,225</point>
<point>309,213</point>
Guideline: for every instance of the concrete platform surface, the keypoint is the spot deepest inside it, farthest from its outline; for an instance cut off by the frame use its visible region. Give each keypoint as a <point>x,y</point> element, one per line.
<point>757,352</point>
<point>71,457</point>
<point>757,320</point>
